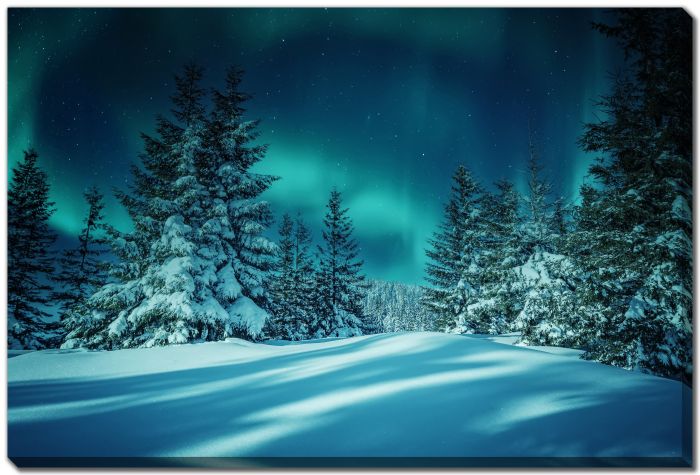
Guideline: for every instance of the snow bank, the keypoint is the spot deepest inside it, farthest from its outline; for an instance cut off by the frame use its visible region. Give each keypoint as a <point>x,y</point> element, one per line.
<point>512,339</point>
<point>389,395</point>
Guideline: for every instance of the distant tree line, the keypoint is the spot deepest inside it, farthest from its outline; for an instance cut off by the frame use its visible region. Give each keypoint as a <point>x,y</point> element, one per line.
<point>398,307</point>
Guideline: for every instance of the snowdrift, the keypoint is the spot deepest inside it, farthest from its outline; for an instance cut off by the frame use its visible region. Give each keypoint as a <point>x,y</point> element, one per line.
<point>390,399</point>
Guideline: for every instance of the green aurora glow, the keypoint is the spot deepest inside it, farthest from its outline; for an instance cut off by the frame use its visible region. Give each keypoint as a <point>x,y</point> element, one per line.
<point>381,103</point>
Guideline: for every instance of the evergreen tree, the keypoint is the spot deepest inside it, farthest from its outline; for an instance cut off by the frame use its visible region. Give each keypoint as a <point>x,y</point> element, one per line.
<point>285,265</point>
<point>454,270</point>
<point>559,225</point>
<point>539,275</point>
<point>537,226</point>
<point>236,190</point>
<point>340,284</point>
<point>501,296</point>
<point>189,270</point>
<point>29,262</point>
<point>634,227</point>
<point>83,269</point>
<point>293,282</point>
<point>304,278</point>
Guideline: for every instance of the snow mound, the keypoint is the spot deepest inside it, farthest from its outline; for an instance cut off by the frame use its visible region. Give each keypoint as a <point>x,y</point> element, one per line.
<point>388,395</point>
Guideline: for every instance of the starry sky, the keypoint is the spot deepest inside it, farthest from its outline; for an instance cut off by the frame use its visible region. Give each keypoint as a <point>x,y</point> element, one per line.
<point>381,103</point>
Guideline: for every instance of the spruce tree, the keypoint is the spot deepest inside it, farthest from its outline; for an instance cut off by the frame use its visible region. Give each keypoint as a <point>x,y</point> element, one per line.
<point>29,261</point>
<point>236,190</point>
<point>559,222</point>
<point>294,286</point>
<point>304,278</point>
<point>537,226</point>
<point>542,290</point>
<point>340,284</point>
<point>634,226</point>
<point>454,269</point>
<point>285,265</point>
<point>83,268</point>
<point>286,321</point>
<point>501,292</point>
<point>189,271</point>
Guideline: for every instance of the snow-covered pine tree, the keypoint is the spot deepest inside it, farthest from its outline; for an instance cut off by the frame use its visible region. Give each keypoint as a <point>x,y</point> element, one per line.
<point>579,321</point>
<point>539,274</point>
<point>178,275</point>
<point>154,296</point>
<point>284,321</point>
<point>550,316</point>
<point>148,203</point>
<point>501,293</point>
<point>454,269</point>
<point>283,282</point>
<point>635,226</point>
<point>340,284</point>
<point>304,277</point>
<point>83,268</point>
<point>236,191</point>
<point>537,233</point>
<point>29,261</point>
<point>293,287</point>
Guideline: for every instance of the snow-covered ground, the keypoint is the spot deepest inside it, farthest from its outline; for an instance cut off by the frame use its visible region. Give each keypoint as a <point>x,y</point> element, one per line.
<point>389,395</point>
<point>512,339</point>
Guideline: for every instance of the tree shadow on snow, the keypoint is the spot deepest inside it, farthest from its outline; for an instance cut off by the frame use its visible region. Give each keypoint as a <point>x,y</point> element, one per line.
<point>450,397</point>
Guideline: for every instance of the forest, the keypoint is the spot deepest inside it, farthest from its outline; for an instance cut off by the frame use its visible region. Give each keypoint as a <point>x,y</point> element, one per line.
<point>609,273</point>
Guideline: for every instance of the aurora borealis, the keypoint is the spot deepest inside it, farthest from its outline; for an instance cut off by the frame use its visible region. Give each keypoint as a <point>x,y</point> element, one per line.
<point>383,104</point>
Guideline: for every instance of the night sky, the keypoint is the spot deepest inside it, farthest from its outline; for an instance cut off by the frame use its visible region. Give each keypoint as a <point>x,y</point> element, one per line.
<point>383,104</point>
